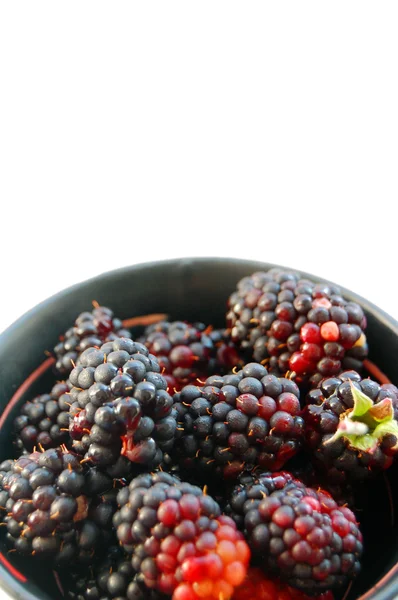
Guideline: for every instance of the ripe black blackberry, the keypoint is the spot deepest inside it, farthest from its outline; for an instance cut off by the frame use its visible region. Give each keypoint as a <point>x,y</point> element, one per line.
<point>238,421</point>
<point>90,329</point>
<point>298,325</point>
<point>112,579</point>
<point>352,427</point>
<point>187,352</point>
<point>300,534</point>
<point>44,421</point>
<point>47,511</point>
<point>180,543</point>
<point>120,405</point>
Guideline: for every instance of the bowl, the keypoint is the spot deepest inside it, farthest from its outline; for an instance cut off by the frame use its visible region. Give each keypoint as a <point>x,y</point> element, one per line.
<point>193,289</point>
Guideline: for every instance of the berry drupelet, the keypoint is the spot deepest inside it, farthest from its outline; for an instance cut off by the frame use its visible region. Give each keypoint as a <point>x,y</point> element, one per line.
<point>293,324</point>
<point>47,511</point>
<point>253,487</point>
<point>188,352</point>
<point>120,405</point>
<point>183,350</point>
<point>180,543</point>
<point>90,329</point>
<point>239,421</point>
<point>301,535</point>
<point>44,421</point>
<point>352,427</point>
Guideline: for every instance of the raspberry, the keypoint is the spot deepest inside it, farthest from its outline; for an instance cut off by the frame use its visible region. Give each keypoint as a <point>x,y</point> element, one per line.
<point>120,406</point>
<point>44,421</point>
<point>261,586</point>
<point>352,427</point>
<point>300,535</point>
<point>238,421</point>
<point>181,544</point>
<point>90,329</point>
<point>289,323</point>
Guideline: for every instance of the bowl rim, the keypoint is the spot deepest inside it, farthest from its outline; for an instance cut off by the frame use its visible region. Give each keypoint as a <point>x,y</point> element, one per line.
<point>385,588</point>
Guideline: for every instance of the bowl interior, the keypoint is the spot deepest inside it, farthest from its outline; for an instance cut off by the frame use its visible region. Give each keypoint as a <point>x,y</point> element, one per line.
<point>192,290</point>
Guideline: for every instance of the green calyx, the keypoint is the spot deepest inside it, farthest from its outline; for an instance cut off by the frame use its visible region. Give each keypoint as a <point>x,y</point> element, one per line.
<point>367,423</point>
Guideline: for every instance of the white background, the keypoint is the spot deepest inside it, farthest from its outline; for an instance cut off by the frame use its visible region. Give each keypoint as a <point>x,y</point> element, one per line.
<point>137,131</point>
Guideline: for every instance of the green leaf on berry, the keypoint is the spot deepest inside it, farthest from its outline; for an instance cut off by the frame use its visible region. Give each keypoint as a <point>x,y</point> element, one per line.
<point>367,423</point>
<point>383,411</point>
<point>362,403</point>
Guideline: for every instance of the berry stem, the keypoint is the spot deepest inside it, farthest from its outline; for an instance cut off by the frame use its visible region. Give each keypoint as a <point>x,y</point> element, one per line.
<point>145,320</point>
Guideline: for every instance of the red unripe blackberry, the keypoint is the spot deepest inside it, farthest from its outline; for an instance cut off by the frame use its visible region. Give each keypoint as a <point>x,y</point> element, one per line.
<point>44,421</point>
<point>180,543</point>
<point>298,534</point>
<point>292,324</point>
<point>90,329</point>
<point>352,427</point>
<point>238,421</point>
<point>262,586</point>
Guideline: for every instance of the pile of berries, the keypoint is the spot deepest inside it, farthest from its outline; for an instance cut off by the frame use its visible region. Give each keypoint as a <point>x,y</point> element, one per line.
<point>204,464</point>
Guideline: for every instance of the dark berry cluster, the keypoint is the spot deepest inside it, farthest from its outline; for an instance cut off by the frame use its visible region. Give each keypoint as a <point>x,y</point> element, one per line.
<point>351,426</point>
<point>47,511</point>
<point>301,535</point>
<point>44,422</point>
<point>120,405</point>
<point>90,329</point>
<point>108,485</point>
<point>180,542</point>
<point>112,579</point>
<point>298,325</point>
<point>238,421</point>
<point>187,352</point>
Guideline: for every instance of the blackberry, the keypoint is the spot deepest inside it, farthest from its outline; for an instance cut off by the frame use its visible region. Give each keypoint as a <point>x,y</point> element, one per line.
<point>90,329</point>
<point>180,543</point>
<point>304,537</point>
<point>253,487</point>
<point>292,324</point>
<point>120,405</point>
<point>352,427</point>
<point>47,511</point>
<point>113,578</point>
<point>44,422</point>
<point>238,421</point>
<point>187,352</point>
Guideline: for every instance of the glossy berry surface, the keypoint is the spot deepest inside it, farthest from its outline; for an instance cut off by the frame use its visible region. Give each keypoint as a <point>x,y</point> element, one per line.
<point>44,421</point>
<point>292,324</point>
<point>181,544</point>
<point>120,405</point>
<point>90,329</point>
<point>302,536</point>
<point>188,352</point>
<point>344,459</point>
<point>234,422</point>
<point>47,510</point>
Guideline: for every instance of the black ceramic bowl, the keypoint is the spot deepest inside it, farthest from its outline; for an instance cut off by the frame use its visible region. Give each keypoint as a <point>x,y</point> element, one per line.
<point>186,289</point>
